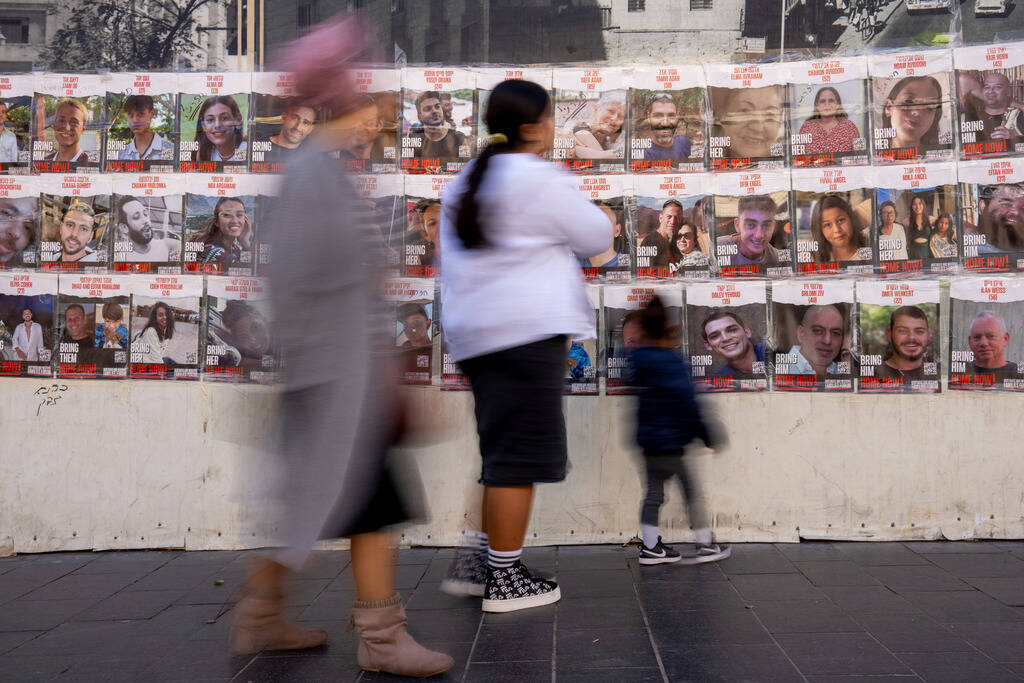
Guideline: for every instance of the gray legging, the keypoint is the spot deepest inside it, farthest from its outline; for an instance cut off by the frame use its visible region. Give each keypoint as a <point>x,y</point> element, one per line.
<point>660,468</point>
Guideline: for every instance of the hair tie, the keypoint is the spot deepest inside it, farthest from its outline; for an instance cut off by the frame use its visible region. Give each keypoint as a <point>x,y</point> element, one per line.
<point>497,139</point>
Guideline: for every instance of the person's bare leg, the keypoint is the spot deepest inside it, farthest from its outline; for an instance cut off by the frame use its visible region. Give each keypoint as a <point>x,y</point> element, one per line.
<point>373,565</point>
<point>384,643</point>
<point>507,512</point>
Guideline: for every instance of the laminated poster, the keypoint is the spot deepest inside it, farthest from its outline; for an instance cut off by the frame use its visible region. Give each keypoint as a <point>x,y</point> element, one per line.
<point>92,335</point>
<point>413,301</point>
<point>752,224</point>
<point>918,220</point>
<point>74,223</point>
<point>899,336</point>
<point>583,357</point>
<point>214,122</point>
<point>27,330</point>
<point>829,112</point>
<point>986,333</point>
<point>673,217</point>
<point>748,116</point>
<point>239,345</point>
<point>142,122</point>
<point>19,220</point>
<point>833,210</point>
<point>220,230</point>
<point>727,329</point>
<point>67,123</point>
<point>590,119</point>
<point>166,315</point>
<point>611,194</point>
<point>990,84</point>
<point>147,222</point>
<point>668,120</point>
<point>437,119</point>
<point>992,198</point>
<point>622,334</point>
<point>813,335</point>
<point>423,220</point>
<point>279,126</point>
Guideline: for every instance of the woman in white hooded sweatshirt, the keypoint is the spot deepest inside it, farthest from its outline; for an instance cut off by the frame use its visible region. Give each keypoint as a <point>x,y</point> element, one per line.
<point>513,228</point>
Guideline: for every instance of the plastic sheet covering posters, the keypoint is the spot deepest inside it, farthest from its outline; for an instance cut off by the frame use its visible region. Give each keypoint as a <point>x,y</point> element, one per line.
<point>239,345</point>
<point>813,335</point>
<point>727,330</point>
<point>413,300</point>
<point>166,316</point>
<point>92,326</point>
<point>673,216</point>
<point>27,330</point>
<point>142,122</point>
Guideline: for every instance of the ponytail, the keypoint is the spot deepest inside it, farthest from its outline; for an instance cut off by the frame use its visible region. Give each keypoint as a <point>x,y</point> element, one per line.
<point>512,104</point>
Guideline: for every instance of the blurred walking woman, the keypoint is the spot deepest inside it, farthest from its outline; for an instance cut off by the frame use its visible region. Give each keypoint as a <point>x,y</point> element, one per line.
<point>512,229</point>
<point>340,409</point>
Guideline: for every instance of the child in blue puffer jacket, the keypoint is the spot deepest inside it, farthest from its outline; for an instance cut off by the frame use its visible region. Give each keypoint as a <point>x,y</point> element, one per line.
<point>668,418</point>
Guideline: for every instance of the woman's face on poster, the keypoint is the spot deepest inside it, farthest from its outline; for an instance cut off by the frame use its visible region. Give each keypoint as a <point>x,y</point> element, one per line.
<point>231,218</point>
<point>219,124</point>
<point>826,104</point>
<point>913,110</point>
<point>610,118</point>
<point>837,227</point>
<point>752,121</point>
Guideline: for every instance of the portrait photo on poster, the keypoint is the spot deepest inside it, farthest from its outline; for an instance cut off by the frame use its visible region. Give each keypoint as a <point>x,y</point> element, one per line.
<point>726,334</point>
<point>437,119</point>
<point>748,116</point>
<point>591,124</point>
<point>92,334</point>
<point>918,219</point>
<point>992,200</point>
<point>67,123</point>
<point>414,329</point>
<point>582,360</point>
<point>899,336</point>
<point>912,112</point>
<point>27,330</point>
<point>610,194</point>
<point>19,222</point>
<point>141,122</point>
<point>990,100</point>
<point>165,322</point>
<point>833,210</point>
<point>16,98</point>
<point>829,113</point>
<point>220,226</point>
<point>752,228</point>
<point>422,221</point>
<point>74,235</point>
<point>147,223</point>
<point>673,216</point>
<point>214,123</point>
<point>373,146</point>
<point>986,333</point>
<point>813,340</point>
<point>239,345</point>
<point>668,120</point>
<point>623,330</point>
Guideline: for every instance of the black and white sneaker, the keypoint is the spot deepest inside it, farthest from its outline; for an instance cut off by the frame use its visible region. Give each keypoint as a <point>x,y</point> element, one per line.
<point>711,553</point>
<point>467,573</point>
<point>513,588</point>
<point>659,554</point>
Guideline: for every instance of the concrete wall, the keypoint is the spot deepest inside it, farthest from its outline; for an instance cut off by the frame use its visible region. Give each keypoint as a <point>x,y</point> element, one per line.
<point>136,464</point>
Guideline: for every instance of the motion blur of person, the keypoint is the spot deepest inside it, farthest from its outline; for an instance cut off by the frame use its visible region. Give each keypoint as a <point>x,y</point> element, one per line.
<point>668,419</point>
<point>340,411</point>
<point>513,228</point>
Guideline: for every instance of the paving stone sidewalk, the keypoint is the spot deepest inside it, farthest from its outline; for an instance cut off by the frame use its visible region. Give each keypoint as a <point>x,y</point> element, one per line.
<point>772,612</point>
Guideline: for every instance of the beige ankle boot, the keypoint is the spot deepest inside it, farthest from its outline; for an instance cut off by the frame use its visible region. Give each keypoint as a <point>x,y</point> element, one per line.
<point>259,626</point>
<point>385,645</point>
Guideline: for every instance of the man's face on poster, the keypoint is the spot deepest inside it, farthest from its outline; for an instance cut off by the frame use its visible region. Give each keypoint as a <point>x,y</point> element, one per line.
<point>75,232</point>
<point>3,114</point>
<point>136,216</point>
<point>996,91</point>
<point>821,335</point>
<point>430,112</point>
<point>669,220</point>
<point>909,337</point>
<point>74,321</point>
<point>988,340</point>
<point>368,126</point>
<point>1002,213</point>
<point>297,124</point>
<point>727,338</point>
<point>415,326</point>
<point>140,119</point>
<point>663,120</point>
<point>68,126</point>
<point>754,230</point>
<point>17,226</point>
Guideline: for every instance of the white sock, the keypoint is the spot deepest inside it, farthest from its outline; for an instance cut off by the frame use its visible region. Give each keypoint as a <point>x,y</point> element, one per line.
<point>503,558</point>
<point>703,536</point>
<point>650,535</point>
<point>482,542</point>
<point>473,540</point>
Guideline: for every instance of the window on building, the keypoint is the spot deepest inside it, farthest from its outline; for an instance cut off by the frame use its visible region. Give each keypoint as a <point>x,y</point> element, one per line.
<point>308,14</point>
<point>701,4</point>
<point>636,5</point>
<point>15,30</point>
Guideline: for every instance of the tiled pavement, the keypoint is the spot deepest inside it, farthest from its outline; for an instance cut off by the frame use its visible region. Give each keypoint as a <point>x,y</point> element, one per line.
<point>784,612</point>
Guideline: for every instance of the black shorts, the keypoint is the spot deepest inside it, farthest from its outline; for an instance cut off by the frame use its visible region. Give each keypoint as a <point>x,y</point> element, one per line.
<point>518,394</point>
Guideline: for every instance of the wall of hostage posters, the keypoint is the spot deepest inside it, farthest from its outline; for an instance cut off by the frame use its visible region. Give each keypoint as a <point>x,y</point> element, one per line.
<point>813,335</point>
<point>27,302</point>
<point>986,333</point>
<point>726,330</point>
<point>899,336</point>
